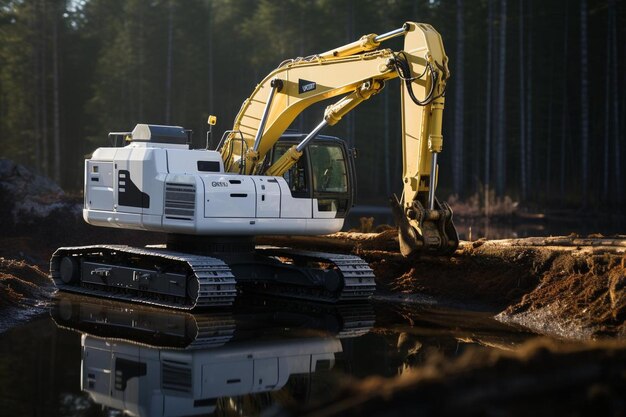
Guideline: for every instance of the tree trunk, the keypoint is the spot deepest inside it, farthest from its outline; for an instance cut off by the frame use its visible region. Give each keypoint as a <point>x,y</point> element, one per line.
<point>501,140</point>
<point>476,141</point>
<point>210,22</point>
<point>549,153</point>
<point>607,113</point>
<point>584,104</point>
<point>565,110</point>
<point>488,103</point>
<point>168,75</point>
<point>36,63</point>
<point>549,161</point>
<point>141,64</point>
<point>43,96</point>
<point>619,193</point>
<point>522,103</point>
<point>56,132</point>
<point>529,104</point>
<point>459,98</point>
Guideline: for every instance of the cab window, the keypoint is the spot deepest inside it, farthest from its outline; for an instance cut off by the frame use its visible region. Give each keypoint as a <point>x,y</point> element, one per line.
<point>329,169</point>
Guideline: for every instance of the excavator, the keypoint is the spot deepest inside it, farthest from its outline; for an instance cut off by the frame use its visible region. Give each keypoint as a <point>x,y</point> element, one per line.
<point>263,180</point>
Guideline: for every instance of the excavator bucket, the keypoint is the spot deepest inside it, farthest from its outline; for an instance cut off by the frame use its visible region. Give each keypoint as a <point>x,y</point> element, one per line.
<point>425,231</point>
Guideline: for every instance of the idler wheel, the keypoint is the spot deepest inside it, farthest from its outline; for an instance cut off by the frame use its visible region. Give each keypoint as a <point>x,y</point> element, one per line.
<point>70,270</point>
<point>192,288</point>
<point>332,280</point>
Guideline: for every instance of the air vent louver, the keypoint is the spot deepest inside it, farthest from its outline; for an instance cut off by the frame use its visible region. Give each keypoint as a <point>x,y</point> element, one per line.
<point>176,376</point>
<point>180,201</point>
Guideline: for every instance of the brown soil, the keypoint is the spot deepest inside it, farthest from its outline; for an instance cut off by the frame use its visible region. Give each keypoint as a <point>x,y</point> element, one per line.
<point>491,280</point>
<point>22,284</point>
<point>576,296</point>
<point>569,291</point>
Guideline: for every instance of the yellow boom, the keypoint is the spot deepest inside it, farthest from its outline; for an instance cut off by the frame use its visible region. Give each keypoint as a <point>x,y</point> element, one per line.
<point>358,71</point>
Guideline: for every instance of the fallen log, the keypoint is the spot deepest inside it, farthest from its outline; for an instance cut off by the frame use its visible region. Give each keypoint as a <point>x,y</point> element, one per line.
<point>388,241</point>
<point>341,241</point>
<point>618,242</point>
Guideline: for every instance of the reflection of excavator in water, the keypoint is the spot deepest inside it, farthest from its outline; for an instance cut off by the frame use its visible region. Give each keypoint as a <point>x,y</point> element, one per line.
<point>158,362</point>
<point>260,181</point>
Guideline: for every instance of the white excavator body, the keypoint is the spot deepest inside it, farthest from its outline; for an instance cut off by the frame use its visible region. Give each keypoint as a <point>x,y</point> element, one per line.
<point>167,187</point>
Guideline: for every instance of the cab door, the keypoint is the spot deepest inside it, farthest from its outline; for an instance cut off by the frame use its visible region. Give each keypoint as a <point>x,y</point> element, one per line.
<point>331,179</point>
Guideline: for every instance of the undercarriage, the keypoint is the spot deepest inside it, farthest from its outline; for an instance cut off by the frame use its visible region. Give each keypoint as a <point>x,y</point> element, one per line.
<point>197,272</point>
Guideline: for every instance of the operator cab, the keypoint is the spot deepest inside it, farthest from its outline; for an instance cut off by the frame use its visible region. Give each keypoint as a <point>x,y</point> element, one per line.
<point>325,172</point>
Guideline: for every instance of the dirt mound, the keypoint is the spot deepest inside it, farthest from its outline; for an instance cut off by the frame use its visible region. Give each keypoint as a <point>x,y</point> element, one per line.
<point>579,296</point>
<point>576,289</point>
<point>22,284</point>
<point>483,276</point>
<point>27,198</point>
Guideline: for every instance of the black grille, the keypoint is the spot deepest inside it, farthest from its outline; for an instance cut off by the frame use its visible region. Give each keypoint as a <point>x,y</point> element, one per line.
<point>176,376</point>
<point>180,201</point>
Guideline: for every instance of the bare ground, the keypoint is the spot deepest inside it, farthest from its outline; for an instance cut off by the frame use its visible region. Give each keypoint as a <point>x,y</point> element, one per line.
<point>22,284</point>
<point>24,289</point>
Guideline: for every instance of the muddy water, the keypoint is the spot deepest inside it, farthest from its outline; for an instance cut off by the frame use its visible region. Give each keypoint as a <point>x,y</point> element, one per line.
<point>95,358</point>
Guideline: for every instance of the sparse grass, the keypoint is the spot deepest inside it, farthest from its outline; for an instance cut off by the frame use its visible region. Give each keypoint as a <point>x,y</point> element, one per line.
<point>484,203</point>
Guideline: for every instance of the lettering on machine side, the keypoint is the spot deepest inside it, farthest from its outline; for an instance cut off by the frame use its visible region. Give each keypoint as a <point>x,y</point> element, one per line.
<point>305,86</point>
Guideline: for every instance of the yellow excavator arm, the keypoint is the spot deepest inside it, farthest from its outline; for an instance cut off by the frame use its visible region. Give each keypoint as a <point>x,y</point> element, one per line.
<point>358,71</point>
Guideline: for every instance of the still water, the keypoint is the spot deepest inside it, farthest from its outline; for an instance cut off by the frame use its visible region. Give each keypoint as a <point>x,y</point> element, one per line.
<point>91,357</point>
<point>553,224</point>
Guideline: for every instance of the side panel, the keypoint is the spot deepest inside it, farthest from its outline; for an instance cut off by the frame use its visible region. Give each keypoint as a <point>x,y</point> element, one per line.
<point>139,175</point>
<point>128,194</point>
<point>95,369</point>
<point>230,196</point>
<point>328,206</point>
<point>99,185</point>
<point>265,374</point>
<point>268,197</point>
<point>290,208</point>
<point>139,187</point>
<point>227,378</point>
<point>194,161</point>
